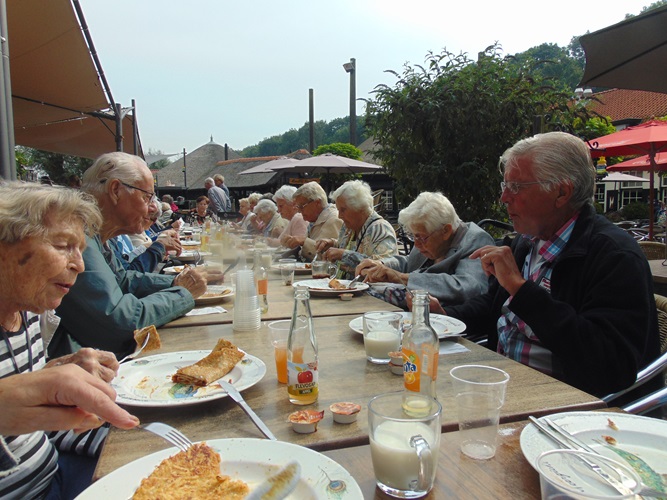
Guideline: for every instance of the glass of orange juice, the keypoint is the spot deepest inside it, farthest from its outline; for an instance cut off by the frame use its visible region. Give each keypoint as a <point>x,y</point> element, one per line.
<point>279,331</point>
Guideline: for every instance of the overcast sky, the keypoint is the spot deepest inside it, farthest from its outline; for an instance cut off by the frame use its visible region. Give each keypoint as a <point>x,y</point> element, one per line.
<point>240,70</point>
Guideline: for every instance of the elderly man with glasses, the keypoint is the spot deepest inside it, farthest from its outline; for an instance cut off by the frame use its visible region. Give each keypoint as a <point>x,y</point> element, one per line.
<point>311,201</point>
<point>438,262</point>
<point>573,296</point>
<point>108,302</point>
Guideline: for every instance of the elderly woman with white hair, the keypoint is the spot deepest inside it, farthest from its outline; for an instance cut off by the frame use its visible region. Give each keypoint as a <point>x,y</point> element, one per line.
<point>272,223</point>
<point>42,237</point>
<point>438,262</point>
<point>296,226</point>
<point>364,234</point>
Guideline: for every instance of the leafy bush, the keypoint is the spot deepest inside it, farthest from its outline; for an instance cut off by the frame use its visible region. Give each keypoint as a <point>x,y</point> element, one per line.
<point>635,210</point>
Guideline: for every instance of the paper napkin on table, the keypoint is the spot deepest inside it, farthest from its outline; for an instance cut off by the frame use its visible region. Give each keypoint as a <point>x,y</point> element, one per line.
<point>207,310</point>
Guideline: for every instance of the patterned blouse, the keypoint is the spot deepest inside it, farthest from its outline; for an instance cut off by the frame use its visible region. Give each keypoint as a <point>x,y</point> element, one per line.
<point>376,240</point>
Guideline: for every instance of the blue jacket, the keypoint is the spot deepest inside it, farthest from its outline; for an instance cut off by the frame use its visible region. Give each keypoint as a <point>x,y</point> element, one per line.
<point>107,303</point>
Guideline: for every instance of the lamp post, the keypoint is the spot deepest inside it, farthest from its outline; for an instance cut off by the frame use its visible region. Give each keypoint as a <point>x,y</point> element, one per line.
<point>351,68</point>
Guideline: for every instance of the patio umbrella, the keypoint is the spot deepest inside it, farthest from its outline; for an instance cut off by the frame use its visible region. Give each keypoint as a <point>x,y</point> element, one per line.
<point>630,54</point>
<point>647,138</point>
<point>269,166</point>
<point>620,177</point>
<point>641,164</point>
<point>329,164</point>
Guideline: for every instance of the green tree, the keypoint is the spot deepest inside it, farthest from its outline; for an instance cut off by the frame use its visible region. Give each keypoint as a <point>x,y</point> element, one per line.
<point>551,62</point>
<point>59,167</point>
<point>160,164</point>
<point>339,148</point>
<point>442,127</point>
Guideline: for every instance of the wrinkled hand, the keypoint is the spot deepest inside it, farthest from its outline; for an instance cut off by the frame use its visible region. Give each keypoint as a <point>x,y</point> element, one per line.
<point>434,305</point>
<point>192,281</point>
<point>376,272</point>
<point>294,241</point>
<point>324,244</point>
<point>177,224</point>
<point>364,265</point>
<point>60,398</point>
<point>101,364</point>
<point>171,241</point>
<point>212,276</point>
<point>499,262</point>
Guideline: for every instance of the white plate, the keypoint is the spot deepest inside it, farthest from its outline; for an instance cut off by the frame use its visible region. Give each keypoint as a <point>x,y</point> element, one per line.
<point>174,269</point>
<point>444,326</point>
<point>299,268</point>
<point>214,295</point>
<point>190,243</point>
<point>252,460</point>
<point>192,256</point>
<point>641,436</point>
<point>147,381</point>
<point>320,288</point>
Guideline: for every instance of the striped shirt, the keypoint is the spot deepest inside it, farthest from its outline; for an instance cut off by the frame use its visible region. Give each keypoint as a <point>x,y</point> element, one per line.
<point>516,339</point>
<point>29,461</point>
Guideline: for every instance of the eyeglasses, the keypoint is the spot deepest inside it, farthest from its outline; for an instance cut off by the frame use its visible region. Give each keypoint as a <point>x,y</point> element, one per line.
<point>421,239</point>
<point>147,196</point>
<point>515,187</point>
<point>301,207</point>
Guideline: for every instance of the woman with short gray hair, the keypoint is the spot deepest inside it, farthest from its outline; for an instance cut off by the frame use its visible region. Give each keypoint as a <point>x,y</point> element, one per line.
<point>364,235</point>
<point>296,226</point>
<point>272,223</point>
<point>438,262</point>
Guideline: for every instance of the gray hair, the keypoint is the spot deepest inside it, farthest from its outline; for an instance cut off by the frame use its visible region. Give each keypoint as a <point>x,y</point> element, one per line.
<point>26,209</point>
<point>265,206</point>
<point>557,157</point>
<point>357,195</point>
<point>219,177</point>
<point>209,180</point>
<point>168,198</point>
<point>312,191</point>
<point>285,192</point>
<point>110,166</point>
<point>253,198</point>
<point>432,210</point>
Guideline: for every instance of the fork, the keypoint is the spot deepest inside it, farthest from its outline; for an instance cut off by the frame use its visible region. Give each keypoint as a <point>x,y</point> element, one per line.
<point>168,433</point>
<point>137,352</point>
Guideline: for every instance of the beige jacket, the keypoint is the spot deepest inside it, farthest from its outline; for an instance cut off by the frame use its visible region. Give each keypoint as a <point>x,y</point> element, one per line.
<point>327,225</point>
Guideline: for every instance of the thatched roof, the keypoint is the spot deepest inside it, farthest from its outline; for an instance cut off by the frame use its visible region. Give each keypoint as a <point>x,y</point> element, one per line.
<point>200,164</point>
<point>367,147</point>
<point>231,169</point>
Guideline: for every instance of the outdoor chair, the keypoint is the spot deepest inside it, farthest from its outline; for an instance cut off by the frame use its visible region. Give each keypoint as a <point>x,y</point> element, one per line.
<point>626,224</point>
<point>653,250</point>
<point>502,232</point>
<point>657,398</point>
<point>403,239</point>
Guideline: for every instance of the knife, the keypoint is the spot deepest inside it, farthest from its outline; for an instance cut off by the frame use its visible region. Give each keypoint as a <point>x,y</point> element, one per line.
<point>279,485</point>
<point>236,396</point>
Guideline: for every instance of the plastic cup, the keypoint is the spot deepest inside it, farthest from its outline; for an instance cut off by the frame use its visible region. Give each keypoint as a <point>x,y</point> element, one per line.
<point>279,331</point>
<point>480,394</point>
<point>382,335</point>
<point>404,449</point>
<point>287,267</point>
<point>568,474</point>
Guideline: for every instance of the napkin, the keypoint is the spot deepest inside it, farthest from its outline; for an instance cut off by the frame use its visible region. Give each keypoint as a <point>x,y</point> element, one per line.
<point>449,347</point>
<point>207,310</point>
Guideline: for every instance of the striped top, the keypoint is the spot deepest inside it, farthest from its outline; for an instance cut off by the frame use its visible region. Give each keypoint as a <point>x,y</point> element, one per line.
<point>29,461</point>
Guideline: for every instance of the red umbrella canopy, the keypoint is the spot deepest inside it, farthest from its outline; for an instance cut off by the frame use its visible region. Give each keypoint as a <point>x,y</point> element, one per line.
<point>646,138</point>
<point>641,164</point>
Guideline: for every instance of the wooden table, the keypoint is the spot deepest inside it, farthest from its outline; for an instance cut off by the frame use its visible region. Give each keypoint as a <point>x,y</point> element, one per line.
<point>281,306</point>
<point>658,271</point>
<point>345,376</point>
<point>507,475</point>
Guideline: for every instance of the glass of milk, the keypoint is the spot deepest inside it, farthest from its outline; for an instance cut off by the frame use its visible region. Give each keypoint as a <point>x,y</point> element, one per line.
<point>382,335</point>
<point>404,449</point>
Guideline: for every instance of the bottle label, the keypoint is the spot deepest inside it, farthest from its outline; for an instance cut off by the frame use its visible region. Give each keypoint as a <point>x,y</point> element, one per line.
<point>302,378</point>
<point>263,287</point>
<point>415,366</point>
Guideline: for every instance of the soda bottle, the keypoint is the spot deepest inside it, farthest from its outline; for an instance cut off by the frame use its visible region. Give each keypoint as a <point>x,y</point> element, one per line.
<point>302,373</point>
<point>420,352</point>
<point>263,288</point>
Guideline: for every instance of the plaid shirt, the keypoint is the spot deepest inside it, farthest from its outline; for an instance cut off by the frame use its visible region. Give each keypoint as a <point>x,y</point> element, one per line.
<point>516,339</point>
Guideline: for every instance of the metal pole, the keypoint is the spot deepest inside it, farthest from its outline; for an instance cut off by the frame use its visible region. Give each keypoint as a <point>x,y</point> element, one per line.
<point>119,127</point>
<point>135,130</point>
<point>353,103</point>
<point>185,175</point>
<point>7,155</point>
<point>311,121</point>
